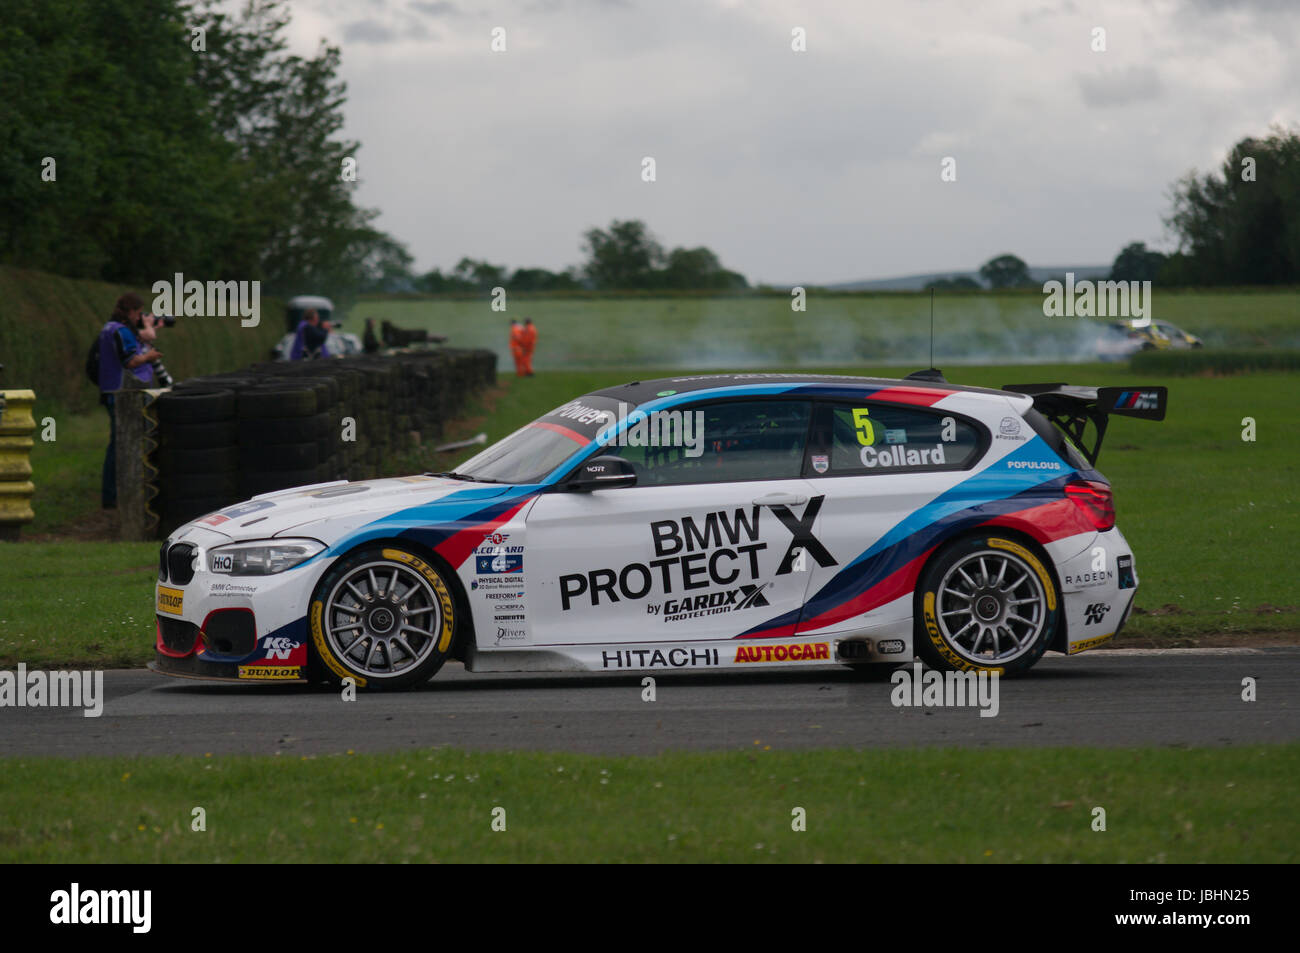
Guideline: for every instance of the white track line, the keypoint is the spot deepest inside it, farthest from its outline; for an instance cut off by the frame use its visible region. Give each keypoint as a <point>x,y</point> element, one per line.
<point>1206,651</point>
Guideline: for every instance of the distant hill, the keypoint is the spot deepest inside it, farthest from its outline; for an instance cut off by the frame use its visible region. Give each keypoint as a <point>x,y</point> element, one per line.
<point>918,282</point>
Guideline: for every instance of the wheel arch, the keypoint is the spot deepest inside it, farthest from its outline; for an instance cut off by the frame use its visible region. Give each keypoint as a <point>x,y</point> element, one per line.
<point>464,621</point>
<point>1014,533</point>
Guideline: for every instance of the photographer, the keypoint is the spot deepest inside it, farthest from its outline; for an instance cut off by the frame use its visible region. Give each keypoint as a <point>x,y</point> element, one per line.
<point>310,339</point>
<point>120,352</point>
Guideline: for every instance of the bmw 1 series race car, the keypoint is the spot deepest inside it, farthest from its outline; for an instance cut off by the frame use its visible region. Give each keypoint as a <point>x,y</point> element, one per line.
<point>743,521</point>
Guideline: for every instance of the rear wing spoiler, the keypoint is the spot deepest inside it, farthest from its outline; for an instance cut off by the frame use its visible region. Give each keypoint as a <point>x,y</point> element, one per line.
<point>1070,408</point>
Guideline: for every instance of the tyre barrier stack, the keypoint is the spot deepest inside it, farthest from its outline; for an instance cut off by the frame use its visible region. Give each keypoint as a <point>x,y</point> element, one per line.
<point>227,437</point>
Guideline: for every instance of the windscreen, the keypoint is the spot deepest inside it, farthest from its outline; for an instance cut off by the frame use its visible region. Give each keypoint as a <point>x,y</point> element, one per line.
<point>534,450</point>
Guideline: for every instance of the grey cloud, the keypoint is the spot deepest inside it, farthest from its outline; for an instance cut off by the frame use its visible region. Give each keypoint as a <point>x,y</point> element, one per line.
<point>555,6</point>
<point>1119,87</point>
<point>436,8</point>
<point>1252,6</point>
<point>368,31</point>
<point>1047,11</point>
<point>372,31</point>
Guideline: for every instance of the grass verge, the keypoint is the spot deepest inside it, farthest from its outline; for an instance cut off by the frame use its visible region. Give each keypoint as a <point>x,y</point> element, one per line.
<point>929,805</point>
<point>77,605</point>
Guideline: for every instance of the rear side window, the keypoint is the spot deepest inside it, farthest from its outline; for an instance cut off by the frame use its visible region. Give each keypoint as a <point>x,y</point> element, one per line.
<point>864,438</point>
<point>1053,437</point>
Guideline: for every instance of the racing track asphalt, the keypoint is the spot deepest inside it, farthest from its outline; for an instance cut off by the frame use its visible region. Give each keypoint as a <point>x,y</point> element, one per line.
<point>1116,698</point>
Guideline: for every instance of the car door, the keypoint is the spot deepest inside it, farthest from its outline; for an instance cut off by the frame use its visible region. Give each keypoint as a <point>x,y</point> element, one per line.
<point>703,547</point>
<point>878,466</point>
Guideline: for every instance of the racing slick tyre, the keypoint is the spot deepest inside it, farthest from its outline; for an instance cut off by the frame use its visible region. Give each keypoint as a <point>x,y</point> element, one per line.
<point>277,401</point>
<point>279,456</point>
<point>196,405</point>
<point>272,430</point>
<point>384,617</point>
<point>987,603</point>
<point>198,460</point>
<point>220,433</point>
<point>203,485</point>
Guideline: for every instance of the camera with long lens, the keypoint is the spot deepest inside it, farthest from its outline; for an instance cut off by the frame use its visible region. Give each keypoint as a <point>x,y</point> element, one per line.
<point>160,375</point>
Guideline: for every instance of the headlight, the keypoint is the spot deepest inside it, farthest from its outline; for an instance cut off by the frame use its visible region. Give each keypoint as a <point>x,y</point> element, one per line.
<point>262,557</point>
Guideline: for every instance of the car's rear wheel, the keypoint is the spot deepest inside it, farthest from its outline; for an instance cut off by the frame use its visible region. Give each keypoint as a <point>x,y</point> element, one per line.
<point>384,617</point>
<point>987,603</point>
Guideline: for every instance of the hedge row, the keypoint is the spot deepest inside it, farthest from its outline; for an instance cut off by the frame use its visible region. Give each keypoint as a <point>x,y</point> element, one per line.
<point>1186,363</point>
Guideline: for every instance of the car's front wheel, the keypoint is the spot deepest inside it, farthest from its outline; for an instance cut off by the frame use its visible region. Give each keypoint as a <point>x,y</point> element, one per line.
<point>986,603</point>
<point>384,617</point>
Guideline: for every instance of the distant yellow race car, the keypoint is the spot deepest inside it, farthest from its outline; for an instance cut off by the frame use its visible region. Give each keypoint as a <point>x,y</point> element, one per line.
<point>1159,335</point>
<point>1121,339</point>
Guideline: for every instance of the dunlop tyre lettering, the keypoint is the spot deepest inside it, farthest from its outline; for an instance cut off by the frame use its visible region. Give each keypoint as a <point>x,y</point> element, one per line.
<point>985,604</point>
<point>383,616</point>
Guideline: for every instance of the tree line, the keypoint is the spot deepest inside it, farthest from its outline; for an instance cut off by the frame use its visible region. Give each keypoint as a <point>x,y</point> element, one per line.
<point>145,137</point>
<point>1239,225</point>
<point>623,257</point>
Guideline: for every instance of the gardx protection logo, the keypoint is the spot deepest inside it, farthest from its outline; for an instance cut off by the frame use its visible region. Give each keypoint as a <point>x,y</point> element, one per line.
<point>712,603</point>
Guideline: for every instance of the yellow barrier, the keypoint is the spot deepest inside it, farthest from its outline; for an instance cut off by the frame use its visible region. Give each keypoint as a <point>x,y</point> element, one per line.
<point>16,488</point>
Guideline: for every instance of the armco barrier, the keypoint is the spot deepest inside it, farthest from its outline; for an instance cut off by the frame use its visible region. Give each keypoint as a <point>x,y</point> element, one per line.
<point>226,437</point>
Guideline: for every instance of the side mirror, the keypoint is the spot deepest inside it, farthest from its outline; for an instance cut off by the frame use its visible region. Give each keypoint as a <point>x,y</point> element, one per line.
<point>601,473</point>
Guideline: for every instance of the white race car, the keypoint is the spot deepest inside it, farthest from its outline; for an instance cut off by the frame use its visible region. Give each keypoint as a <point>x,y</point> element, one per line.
<point>738,521</point>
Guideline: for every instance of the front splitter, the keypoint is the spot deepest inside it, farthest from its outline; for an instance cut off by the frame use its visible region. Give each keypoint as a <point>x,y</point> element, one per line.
<point>245,674</point>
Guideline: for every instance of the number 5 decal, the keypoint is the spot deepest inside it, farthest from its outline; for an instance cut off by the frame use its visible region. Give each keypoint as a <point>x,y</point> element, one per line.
<point>866,432</point>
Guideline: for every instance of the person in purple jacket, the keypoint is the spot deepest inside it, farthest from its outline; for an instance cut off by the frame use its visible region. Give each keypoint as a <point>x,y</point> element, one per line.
<point>311,337</point>
<point>120,353</point>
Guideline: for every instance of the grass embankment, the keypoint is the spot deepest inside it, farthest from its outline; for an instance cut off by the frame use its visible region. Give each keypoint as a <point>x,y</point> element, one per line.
<point>47,323</point>
<point>1230,805</point>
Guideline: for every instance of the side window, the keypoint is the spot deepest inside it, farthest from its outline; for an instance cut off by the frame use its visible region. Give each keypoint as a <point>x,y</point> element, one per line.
<point>863,438</point>
<point>717,443</point>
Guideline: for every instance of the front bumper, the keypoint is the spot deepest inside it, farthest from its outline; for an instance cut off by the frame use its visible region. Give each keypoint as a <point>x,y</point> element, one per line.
<point>233,628</point>
<point>184,650</point>
<point>210,670</point>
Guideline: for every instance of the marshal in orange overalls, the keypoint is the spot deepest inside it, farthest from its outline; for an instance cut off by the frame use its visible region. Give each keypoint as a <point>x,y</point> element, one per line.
<point>517,347</point>
<point>528,338</point>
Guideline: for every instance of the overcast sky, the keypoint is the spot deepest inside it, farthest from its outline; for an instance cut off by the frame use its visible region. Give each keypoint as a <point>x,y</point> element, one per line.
<point>819,166</point>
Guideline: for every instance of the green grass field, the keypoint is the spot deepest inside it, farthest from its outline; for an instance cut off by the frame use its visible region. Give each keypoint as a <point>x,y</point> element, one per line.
<point>77,604</point>
<point>692,333</point>
<point>929,805</point>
